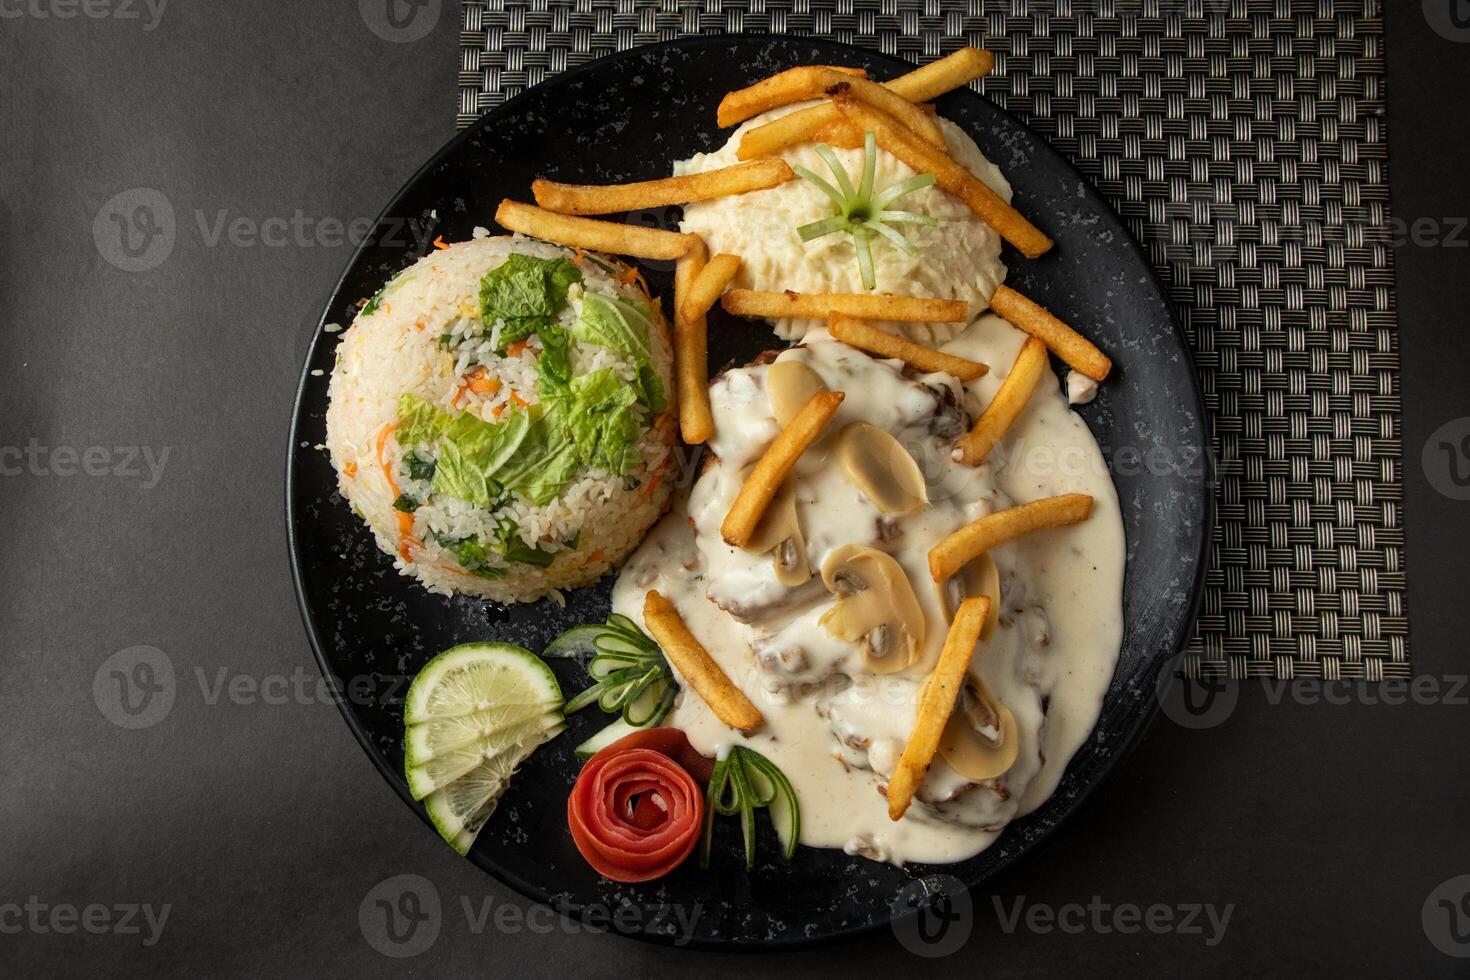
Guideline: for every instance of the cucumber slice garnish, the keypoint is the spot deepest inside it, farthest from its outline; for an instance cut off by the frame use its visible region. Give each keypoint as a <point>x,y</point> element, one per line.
<point>745,781</point>
<point>632,678</point>
<point>604,738</point>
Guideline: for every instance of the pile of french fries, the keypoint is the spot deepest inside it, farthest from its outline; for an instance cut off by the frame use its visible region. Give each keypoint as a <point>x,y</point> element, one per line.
<point>897,113</point>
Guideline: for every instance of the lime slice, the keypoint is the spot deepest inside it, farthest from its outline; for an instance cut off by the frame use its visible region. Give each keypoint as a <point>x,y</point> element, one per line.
<point>478,677</point>
<point>474,714</point>
<point>514,743</point>
<point>460,809</point>
<point>432,739</point>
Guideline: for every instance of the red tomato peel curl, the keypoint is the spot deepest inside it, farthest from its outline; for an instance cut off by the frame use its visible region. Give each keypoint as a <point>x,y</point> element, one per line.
<point>635,812</point>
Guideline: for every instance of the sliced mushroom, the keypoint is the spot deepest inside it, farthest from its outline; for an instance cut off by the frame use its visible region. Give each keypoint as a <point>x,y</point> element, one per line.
<point>876,607</point>
<point>980,741</point>
<point>790,385</point>
<point>879,466</point>
<point>979,577</point>
<point>779,532</point>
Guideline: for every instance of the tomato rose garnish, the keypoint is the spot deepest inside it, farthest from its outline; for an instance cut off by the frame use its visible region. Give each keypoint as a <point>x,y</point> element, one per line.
<point>635,811</point>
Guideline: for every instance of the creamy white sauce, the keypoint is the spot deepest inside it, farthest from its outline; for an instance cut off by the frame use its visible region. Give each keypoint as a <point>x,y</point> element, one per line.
<point>959,259</point>
<point>836,729</point>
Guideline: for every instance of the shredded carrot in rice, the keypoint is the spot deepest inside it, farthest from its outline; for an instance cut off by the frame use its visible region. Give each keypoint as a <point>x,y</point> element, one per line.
<point>405,521</point>
<point>516,349</point>
<point>657,476</point>
<point>438,241</point>
<point>515,396</point>
<point>480,384</point>
<point>349,469</point>
<point>580,257</point>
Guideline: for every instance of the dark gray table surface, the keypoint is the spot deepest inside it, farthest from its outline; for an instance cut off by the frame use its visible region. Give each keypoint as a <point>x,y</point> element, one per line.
<point>250,817</point>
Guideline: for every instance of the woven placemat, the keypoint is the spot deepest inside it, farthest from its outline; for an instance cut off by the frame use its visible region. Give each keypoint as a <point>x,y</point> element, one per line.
<point>1244,144</point>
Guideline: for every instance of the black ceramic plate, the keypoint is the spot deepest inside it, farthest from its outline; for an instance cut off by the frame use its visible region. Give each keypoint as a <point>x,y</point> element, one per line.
<point>625,118</point>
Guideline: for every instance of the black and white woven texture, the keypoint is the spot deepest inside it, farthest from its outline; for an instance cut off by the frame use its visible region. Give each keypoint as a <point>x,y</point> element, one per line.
<point>1244,144</point>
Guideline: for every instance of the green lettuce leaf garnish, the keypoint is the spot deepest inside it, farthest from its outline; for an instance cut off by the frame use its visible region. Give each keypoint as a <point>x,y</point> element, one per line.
<point>471,555</point>
<point>457,476</point>
<point>623,326</point>
<point>546,460</point>
<point>651,388</point>
<point>617,323</point>
<point>554,366</point>
<point>525,294</point>
<point>603,422</point>
<point>418,421</point>
<point>471,450</point>
<point>510,545</point>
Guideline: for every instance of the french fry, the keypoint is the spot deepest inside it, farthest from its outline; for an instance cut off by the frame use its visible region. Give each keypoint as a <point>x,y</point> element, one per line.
<point>861,333</point>
<point>782,88</point>
<point>963,546</point>
<point>696,666</point>
<point>936,702</point>
<point>691,353</point>
<point>812,82</point>
<point>1010,399</point>
<point>867,306</point>
<point>948,73</point>
<point>884,99</point>
<point>811,124</point>
<point>1074,349</point>
<point>611,198</point>
<point>705,291</point>
<point>794,128</point>
<point>601,236</point>
<point>764,481</point>
<point>839,133</point>
<point>1009,223</point>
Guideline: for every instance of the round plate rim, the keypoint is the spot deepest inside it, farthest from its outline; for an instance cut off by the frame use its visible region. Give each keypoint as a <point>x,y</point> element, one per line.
<point>1107,766</point>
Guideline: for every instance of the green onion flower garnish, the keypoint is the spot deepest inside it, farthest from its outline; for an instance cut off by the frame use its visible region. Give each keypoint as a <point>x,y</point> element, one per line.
<point>632,677</point>
<point>860,212</point>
